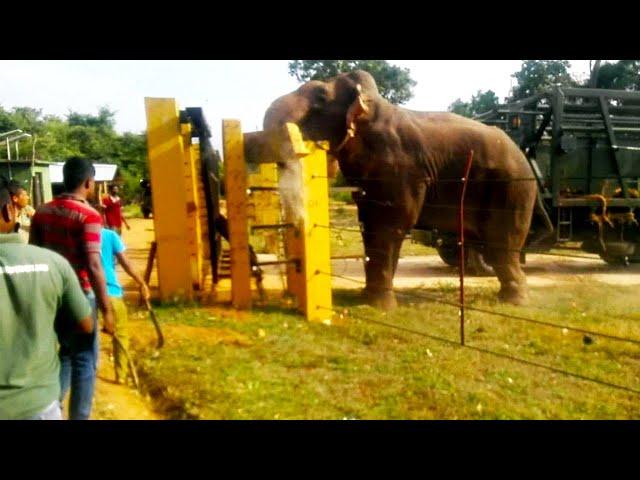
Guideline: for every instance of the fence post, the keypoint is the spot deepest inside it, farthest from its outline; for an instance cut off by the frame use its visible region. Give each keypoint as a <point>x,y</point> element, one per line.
<point>169,178</point>
<point>236,193</point>
<point>308,242</point>
<point>464,181</point>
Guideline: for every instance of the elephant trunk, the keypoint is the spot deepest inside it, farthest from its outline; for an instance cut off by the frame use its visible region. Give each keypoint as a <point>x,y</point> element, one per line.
<point>273,145</point>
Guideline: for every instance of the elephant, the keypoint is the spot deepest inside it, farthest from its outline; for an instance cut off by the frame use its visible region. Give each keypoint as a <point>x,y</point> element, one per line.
<point>408,165</point>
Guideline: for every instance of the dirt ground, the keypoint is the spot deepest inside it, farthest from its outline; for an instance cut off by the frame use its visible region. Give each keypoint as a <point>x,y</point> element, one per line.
<point>120,402</point>
<point>113,401</point>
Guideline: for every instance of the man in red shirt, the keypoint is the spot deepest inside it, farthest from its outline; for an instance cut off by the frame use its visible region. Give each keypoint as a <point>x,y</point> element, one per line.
<point>71,227</point>
<point>112,207</point>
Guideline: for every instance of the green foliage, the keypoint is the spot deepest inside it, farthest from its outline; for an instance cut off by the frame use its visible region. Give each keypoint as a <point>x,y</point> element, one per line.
<point>461,108</point>
<point>622,75</point>
<point>394,83</point>
<point>92,136</point>
<point>537,75</point>
<point>480,102</point>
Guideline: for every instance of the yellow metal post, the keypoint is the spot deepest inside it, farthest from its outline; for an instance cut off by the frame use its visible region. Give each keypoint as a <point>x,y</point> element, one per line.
<point>166,167</point>
<point>265,204</point>
<point>194,230</point>
<point>236,195</point>
<point>310,281</point>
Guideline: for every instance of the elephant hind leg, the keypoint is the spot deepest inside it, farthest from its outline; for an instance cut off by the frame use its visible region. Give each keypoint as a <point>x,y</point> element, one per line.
<point>513,282</point>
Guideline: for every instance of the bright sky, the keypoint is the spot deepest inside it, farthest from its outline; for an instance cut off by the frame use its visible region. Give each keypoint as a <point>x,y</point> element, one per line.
<point>240,89</point>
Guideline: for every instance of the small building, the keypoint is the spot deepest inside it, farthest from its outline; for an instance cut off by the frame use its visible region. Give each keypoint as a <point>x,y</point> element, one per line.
<point>33,175</point>
<point>43,180</point>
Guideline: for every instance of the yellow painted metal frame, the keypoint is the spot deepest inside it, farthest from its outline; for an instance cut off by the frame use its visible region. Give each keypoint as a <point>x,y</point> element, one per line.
<point>309,280</point>
<point>263,205</point>
<point>236,194</point>
<point>177,204</point>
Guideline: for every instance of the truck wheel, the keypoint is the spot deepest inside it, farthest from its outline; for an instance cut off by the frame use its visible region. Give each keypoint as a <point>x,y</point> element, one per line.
<point>474,263</point>
<point>619,261</point>
<point>449,255</point>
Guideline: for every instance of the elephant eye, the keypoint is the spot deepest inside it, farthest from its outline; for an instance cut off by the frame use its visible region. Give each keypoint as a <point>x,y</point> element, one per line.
<point>320,98</point>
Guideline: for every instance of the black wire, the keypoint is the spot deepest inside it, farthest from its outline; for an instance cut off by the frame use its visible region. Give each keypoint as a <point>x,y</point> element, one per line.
<point>498,354</point>
<point>499,314</point>
<point>467,242</point>
<point>511,357</point>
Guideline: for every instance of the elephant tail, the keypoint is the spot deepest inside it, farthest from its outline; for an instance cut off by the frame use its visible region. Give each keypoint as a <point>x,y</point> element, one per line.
<point>545,226</point>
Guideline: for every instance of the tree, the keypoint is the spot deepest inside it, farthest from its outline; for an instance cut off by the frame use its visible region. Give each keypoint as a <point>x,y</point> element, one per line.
<point>484,101</point>
<point>7,122</point>
<point>92,136</point>
<point>461,108</point>
<point>537,75</point>
<point>622,75</point>
<point>394,83</point>
<point>480,102</point>
<point>105,119</point>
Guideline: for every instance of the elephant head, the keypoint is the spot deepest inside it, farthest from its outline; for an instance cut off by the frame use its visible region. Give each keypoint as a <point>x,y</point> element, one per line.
<point>323,110</point>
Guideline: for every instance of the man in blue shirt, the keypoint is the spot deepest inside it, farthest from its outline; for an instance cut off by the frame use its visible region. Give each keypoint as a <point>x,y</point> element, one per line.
<point>113,250</point>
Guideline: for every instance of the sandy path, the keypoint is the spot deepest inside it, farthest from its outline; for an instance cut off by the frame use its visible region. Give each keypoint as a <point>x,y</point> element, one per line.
<point>113,401</point>
<point>429,271</point>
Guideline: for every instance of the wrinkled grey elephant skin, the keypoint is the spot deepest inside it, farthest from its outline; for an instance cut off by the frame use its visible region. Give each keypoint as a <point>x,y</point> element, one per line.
<point>408,165</point>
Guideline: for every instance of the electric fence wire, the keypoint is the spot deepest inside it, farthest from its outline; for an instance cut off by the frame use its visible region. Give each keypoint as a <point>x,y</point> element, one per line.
<point>492,352</point>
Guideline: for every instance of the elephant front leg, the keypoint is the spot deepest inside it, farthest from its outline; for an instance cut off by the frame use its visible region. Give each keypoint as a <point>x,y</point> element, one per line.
<point>382,248</point>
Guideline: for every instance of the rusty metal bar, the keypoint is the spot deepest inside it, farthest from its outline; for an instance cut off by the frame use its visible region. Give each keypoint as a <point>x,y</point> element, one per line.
<point>349,257</point>
<point>274,226</point>
<point>295,261</point>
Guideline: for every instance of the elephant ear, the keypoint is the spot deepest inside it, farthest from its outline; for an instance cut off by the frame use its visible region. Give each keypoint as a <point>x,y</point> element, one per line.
<point>356,110</point>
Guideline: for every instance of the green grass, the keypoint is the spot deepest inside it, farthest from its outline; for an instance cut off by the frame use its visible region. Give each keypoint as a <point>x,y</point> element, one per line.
<point>132,210</point>
<point>289,369</point>
<point>343,215</point>
<point>297,370</point>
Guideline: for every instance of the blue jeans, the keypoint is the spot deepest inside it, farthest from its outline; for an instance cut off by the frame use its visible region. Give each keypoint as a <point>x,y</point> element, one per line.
<point>78,367</point>
<point>52,412</point>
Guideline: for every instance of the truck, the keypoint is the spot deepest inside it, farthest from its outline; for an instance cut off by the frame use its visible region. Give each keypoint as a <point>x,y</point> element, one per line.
<point>583,147</point>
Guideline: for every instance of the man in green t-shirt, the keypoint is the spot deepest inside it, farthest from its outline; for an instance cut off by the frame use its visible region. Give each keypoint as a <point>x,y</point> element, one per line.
<point>35,285</point>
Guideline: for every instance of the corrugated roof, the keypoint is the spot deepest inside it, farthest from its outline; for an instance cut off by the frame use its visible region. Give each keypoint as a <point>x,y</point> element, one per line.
<point>105,172</point>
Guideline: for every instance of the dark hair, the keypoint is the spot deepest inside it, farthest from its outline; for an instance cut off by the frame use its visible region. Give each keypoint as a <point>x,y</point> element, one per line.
<point>76,171</point>
<point>5,192</point>
<point>112,186</point>
<point>14,187</point>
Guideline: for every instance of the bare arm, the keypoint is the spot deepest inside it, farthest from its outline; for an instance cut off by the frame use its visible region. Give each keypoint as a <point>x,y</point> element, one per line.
<point>96,276</point>
<point>126,265</point>
<point>74,300</point>
<point>86,324</point>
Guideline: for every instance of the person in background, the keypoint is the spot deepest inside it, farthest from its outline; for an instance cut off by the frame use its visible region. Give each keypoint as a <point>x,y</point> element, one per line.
<point>113,249</point>
<point>20,200</point>
<point>35,285</point>
<point>112,209</point>
<point>71,227</point>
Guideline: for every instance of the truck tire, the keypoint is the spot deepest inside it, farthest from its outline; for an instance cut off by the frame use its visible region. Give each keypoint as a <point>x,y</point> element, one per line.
<point>449,255</point>
<point>475,266</point>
